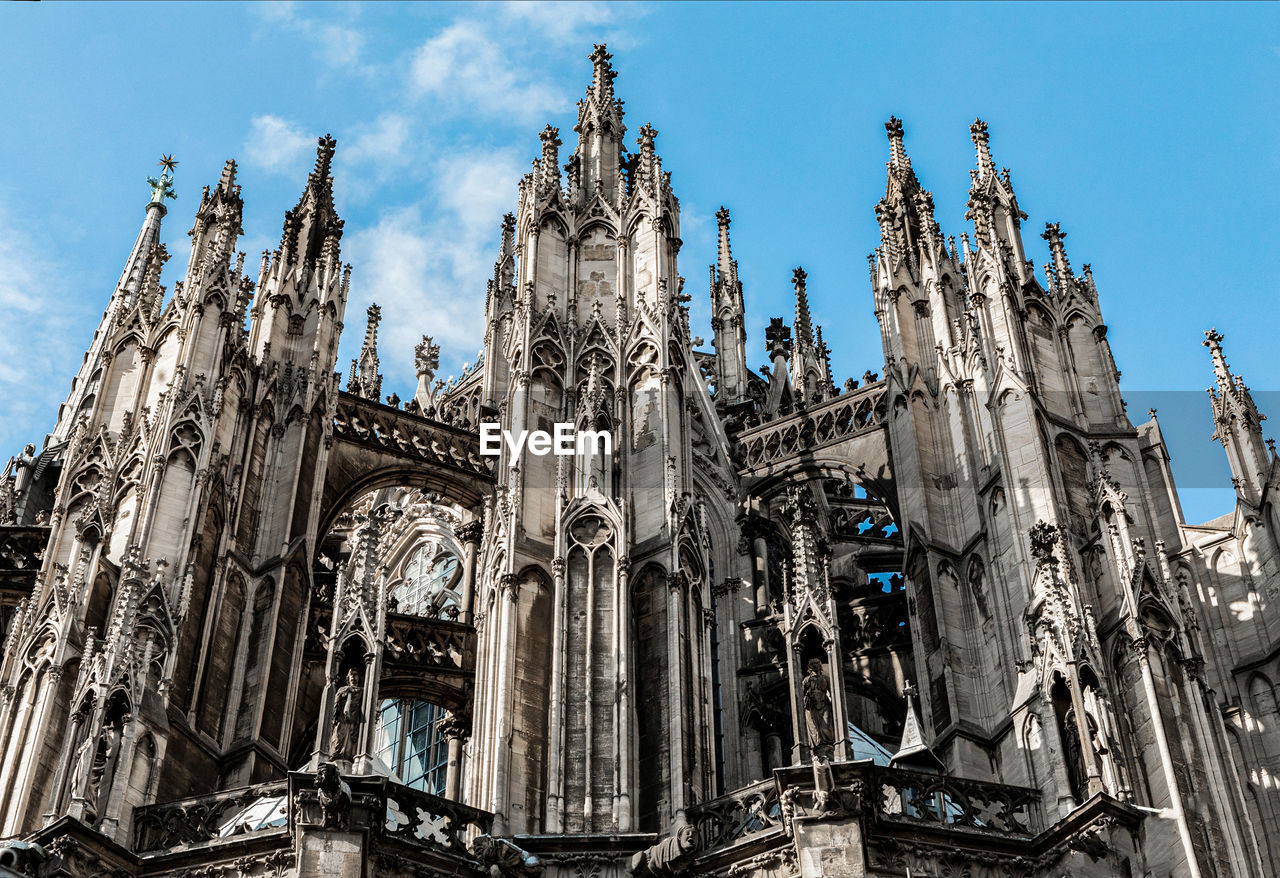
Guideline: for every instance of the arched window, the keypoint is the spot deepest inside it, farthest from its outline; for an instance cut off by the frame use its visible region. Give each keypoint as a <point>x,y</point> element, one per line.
<point>428,587</point>
<point>409,741</point>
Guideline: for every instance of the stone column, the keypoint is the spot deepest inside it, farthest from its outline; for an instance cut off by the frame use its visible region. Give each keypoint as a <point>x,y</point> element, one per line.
<point>469,534</point>
<point>456,729</point>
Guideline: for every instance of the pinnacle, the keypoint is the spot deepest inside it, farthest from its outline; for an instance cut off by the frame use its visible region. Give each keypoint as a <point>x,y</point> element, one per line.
<point>897,152</point>
<point>1054,235</point>
<point>325,148</point>
<point>228,179</point>
<point>603,74</point>
<point>982,142</point>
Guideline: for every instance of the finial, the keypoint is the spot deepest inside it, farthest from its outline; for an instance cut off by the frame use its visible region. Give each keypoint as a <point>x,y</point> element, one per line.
<point>603,74</point>
<point>162,188</point>
<point>1213,341</point>
<point>981,141</point>
<point>798,278</point>
<point>724,255</point>
<point>1054,235</point>
<point>227,181</point>
<point>647,135</point>
<point>325,148</point>
<point>897,152</point>
<point>908,689</point>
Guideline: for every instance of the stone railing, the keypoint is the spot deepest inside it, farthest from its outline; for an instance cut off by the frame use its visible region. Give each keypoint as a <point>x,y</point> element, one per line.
<point>205,818</point>
<point>739,815</point>
<point>423,819</point>
<point>828,422</point>
<point>429,644</point>
<point>900,796</point>
<point>891,802</point>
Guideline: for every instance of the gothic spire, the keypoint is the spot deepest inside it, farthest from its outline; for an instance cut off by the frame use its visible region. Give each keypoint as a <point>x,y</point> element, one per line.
<point>598,156</point>
<point>130,285</point>
<point>728,319</point>
<point>804,325</point>
<point>1061,267</point>
<point>127,292</point>
<point>906,211</point>
<point>314,222</point>
<point>1237,423</point>
<point>981,142</point>
<point>366,380</point>
<point>217,225</point>
<point>724,253</point>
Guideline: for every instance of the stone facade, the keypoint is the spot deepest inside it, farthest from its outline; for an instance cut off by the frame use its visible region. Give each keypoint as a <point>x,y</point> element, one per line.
<point>942,620</point>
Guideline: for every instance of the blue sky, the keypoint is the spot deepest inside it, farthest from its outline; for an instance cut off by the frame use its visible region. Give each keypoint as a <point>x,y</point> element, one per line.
<point>1151,132</point>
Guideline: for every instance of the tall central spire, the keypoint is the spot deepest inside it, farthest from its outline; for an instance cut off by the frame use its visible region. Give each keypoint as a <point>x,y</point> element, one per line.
<point>599,154</point>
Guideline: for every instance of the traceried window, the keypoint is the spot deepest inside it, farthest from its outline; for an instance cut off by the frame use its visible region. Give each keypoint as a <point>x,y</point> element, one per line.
<point>409,741</point>
<point>430,577</point>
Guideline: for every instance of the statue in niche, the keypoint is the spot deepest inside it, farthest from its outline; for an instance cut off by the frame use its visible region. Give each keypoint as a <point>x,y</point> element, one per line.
<point>817,710</point>
<point>348,717</point>
<point>1074,753</point>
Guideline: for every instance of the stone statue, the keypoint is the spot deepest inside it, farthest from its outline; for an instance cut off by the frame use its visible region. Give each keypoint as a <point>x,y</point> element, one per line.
<point>348,718</point>
<point>334,795</point>
<point>669,857</point>
<point>817,710</point>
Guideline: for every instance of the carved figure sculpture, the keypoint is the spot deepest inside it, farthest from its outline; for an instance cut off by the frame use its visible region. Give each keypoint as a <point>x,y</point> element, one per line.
<point>671,856</point>
<point>348,718</point>
<point>335,797</point>
<point>817,710</point>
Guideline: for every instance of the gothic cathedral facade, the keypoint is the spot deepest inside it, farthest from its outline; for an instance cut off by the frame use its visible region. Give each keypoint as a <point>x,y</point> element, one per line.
<point>942,620</point>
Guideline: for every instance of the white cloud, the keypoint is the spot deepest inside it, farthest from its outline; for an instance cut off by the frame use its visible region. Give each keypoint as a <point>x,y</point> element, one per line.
<point>48,327</point>
<point>463,66</point>
<point>276,144</point>
<point>337,44</point>
<point>383,142</point>
<point>427,265</point>
<point>560,20</point>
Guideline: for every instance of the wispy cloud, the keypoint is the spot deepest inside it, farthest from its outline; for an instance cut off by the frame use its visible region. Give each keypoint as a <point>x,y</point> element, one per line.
<point>464,66</point>
<point>276,144</point>
<point>382,142</point>
<point>47,328</point>
<point>427,263</point>
<point>563,21</point>
<point>336,43</point>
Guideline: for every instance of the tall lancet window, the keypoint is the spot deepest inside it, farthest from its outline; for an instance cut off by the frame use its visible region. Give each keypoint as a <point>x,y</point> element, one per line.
<point>591,659</point>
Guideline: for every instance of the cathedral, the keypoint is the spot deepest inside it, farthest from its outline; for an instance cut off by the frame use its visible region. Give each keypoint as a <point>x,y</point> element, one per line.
<point>943,619</point>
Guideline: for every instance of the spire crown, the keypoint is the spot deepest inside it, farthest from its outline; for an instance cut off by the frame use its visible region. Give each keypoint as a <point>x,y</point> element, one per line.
<point>602,74</point>
<point>897,152</point>
<point>1054,235</point>
<point>1213,341</point>
<point>724,253</point>
<point>982,143</point>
